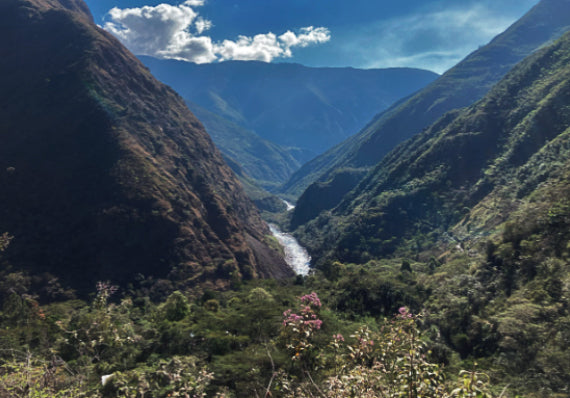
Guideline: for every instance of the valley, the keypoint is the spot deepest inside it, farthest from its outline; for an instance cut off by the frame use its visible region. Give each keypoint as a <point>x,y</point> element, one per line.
<point>245,227</point>
<point>328,104</point>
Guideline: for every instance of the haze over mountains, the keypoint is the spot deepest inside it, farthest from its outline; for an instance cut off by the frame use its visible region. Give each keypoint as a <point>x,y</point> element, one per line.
<point>250,156</point>
<point>105,173</point>
<point>302,110</point>
<point>460,86</point>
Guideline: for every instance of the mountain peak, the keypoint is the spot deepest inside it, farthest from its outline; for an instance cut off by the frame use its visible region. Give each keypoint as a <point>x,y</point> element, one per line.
<point>77,6</point>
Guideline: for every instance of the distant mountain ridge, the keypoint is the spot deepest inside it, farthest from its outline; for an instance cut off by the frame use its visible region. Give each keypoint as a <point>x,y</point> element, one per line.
<point>105,173</point>
<point>304,109</point>
<point>459,87</point>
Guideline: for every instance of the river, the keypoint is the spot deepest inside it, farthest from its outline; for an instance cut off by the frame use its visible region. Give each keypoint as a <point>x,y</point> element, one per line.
<point>295,255</point>
<point>289,205</point>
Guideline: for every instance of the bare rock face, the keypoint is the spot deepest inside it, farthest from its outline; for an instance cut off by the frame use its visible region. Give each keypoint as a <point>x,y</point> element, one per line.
<point>105,173</point>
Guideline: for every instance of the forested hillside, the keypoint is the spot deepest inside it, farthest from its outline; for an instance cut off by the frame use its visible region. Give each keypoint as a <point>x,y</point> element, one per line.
<point>476,210</point>
<point>463,84</point>
<point>105,173</point>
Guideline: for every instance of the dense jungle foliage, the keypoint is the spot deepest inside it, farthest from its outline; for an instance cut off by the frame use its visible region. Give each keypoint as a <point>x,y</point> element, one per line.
<point>393,328</point>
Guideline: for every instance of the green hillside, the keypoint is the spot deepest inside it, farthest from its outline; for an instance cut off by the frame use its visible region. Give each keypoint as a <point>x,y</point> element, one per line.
<point>477,208</point>
<point>132,264</point>
<point>463,84</point>
<point>266,163</point>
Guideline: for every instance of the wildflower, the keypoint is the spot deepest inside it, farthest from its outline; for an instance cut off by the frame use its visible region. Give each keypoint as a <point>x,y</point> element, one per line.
<point>404,313</point>
<point>311,299</point>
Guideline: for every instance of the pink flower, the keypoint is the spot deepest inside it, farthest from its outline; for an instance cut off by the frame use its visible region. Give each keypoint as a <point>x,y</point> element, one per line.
<point>316,323</point>
<point>404,313</point>
<point>311,299</point>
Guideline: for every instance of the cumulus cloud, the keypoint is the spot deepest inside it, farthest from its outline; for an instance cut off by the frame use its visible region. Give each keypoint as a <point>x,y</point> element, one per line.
<point>306,37</point>
<point>203,25</point>
<point>176,31</point>
<point>263,47</point>
<point>266,47</point>
<point>434,40</point>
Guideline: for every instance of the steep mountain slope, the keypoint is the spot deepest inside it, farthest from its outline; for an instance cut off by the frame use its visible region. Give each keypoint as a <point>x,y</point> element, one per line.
<point>266,163</point>
<point>105,173</point>
<point>459,87</point>
<point>469,223</point>
<point>310,109</point>
<point>477,167</point>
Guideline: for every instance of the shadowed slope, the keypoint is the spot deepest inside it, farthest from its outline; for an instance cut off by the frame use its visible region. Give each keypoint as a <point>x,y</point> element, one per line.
<point>105,173</point>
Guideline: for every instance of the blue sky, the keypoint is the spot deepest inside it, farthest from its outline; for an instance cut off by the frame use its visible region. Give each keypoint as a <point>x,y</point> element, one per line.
<point>429,34</point>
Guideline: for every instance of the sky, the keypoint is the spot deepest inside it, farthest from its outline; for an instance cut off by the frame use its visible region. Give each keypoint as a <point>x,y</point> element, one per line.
<point>427,34</point>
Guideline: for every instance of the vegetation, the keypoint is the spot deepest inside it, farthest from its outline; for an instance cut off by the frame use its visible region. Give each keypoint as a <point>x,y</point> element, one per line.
<point>220,344</point>
<point>251,157</point>
<point>384,329</point>
<point>469,222</point>
<point>444,273</point>
<point>435,188</point>
<point>105,173</point>
<point>461,86</point>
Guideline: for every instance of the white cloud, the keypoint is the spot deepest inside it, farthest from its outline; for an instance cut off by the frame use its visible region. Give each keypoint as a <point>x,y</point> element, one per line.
<point>194,3</point>
<point>263,47</point>
<point>309,35</point>
<point>175,31</point>
<point>161,30</point>
<point>434,40</point>
<point>203,25</point>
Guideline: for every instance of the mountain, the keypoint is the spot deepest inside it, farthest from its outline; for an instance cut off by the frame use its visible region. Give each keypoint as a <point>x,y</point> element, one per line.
<point>502,159</point>
<point>469,223</point>
<point>105,173</point>
<point>305,109</point>
<point>462,85</point>
<point>264,162</point>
